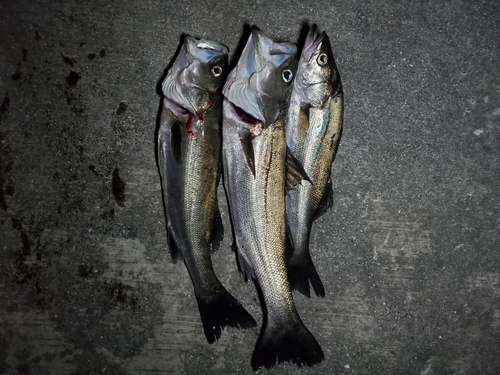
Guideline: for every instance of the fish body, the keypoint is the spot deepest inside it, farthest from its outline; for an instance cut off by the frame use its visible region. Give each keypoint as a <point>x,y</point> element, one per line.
<point>254,154</point>
<point>313,129</point>
<point>189,146</point>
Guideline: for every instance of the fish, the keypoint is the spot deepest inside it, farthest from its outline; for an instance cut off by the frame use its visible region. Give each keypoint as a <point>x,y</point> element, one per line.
<point>313,129</point>
<point>189,148</point>
<point>254,171</point>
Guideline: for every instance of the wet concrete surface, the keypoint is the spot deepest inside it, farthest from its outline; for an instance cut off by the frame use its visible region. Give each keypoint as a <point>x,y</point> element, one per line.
<point>409,254</point>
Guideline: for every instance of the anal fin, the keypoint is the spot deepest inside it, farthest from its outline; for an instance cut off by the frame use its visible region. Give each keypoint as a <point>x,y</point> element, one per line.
<point>244,265</point>
<point>217,233</point>
<point>175,250</point>
<point>326,201</point>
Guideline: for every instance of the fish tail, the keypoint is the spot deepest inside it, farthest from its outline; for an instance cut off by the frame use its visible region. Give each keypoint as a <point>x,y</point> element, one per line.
<point>288,342</point>
<point>221,310</point>
<point>301,272</point>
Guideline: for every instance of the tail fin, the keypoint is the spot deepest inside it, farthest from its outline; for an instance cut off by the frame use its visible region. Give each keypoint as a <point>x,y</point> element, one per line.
<point>289,342</point>
<point>301,271</point>
<point>220,311</point>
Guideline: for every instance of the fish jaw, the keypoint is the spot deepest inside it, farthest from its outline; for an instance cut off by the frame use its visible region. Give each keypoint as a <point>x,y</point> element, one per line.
<point>317,75</point>
<point>256,86</point>
<point>197,75</point>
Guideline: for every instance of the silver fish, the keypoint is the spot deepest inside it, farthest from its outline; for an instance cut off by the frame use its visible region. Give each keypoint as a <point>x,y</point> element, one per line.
<point>313,129</point>
<point>254,154</point>
<point>189,146</point>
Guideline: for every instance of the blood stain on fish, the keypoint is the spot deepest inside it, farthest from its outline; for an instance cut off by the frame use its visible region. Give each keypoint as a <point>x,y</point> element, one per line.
<point>189,126</point>
<point>231,83</point>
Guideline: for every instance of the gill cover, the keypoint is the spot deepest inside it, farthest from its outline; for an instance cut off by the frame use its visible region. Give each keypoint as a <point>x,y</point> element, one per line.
<point>195,75</point>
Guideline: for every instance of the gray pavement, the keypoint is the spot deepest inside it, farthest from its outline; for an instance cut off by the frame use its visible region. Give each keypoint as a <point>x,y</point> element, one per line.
<point>409,254</point>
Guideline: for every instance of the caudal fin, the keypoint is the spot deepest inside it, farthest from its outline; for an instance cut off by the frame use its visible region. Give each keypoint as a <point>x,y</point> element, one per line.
<point>301,272</point>
<point>292,342</point>
<point>220,311</point>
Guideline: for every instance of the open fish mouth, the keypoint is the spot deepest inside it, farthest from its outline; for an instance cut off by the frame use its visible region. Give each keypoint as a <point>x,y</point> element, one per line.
<point>314,38</point>
<point>244,116</point>
<point>176,107</point>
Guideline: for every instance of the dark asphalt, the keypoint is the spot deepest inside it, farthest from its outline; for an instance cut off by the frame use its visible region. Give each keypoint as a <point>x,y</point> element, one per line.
<point>409,254</point>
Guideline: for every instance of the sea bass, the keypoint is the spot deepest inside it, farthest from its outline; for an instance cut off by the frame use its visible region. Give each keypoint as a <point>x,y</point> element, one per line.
<point>254,154</point>
<point>189,146</point>
<point>313,129</point>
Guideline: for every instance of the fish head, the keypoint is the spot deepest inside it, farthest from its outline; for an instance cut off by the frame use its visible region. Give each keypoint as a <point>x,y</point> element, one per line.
<point>317,75</point>
<point>197,75</point>
<point>259,85</point>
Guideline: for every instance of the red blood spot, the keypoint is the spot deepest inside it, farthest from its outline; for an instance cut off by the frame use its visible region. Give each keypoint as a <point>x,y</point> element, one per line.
<point>201,116</point>
<point>189,126</point>
<point>231,83</point>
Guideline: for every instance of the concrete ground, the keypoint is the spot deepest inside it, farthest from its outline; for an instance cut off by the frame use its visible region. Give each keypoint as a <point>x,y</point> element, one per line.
<point>409,254</point>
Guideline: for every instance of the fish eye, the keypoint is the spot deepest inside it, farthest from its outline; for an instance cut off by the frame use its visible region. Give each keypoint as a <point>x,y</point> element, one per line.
<point>216,71</point>
<point>287,75</point>
<point>322,59</point>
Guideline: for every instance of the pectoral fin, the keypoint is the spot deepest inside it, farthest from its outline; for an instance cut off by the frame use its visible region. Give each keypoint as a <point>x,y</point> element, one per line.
<point>303,123</point>
<point>246,144</point>
<point>295,172</point>
<point>175,250</point>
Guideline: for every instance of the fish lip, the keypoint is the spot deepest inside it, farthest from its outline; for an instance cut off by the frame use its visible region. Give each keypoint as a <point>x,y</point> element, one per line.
<point>206,44</point>
<point>310,84</point>
<point>243,115</point>
<point>314,38</point>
